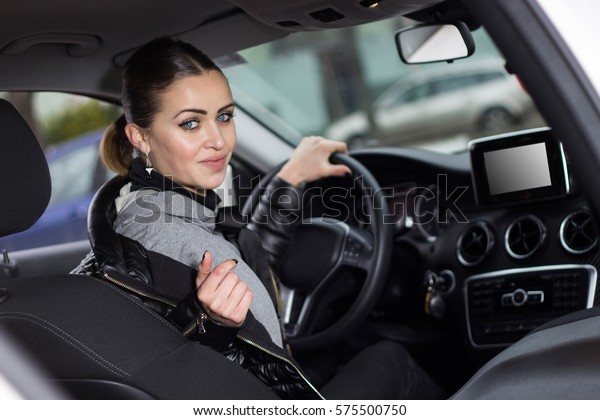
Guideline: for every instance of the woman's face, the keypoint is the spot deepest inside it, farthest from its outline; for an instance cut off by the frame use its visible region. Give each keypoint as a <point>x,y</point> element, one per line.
<point>193,135</point>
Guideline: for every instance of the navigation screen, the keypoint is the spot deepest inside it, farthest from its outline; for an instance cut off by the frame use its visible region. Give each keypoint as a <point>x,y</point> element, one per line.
<point>517,168</point>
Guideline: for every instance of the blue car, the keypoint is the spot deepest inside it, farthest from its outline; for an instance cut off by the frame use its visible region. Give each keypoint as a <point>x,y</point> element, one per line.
<point>76,173</point>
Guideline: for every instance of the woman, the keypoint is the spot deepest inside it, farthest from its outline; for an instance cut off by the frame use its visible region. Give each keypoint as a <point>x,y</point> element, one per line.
<point>179,120</point>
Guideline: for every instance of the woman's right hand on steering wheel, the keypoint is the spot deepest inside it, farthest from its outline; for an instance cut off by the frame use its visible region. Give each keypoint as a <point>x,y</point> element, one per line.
<point>310,161</point>
<point>222,294</point>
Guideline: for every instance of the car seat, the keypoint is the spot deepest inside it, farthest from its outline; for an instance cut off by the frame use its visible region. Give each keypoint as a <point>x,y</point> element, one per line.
<point>89,338</point>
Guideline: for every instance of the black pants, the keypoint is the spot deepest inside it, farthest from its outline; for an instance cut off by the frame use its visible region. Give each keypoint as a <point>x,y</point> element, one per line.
<point>383,371</point>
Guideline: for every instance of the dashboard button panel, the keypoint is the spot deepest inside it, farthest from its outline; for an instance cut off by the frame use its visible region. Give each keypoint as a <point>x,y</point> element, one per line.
<point>503,306</point>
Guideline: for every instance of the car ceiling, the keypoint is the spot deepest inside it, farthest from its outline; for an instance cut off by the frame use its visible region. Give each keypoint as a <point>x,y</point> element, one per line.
<point>81,46</point>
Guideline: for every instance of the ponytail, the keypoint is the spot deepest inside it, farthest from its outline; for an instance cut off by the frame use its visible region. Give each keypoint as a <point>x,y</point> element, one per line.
<point>116,151</point>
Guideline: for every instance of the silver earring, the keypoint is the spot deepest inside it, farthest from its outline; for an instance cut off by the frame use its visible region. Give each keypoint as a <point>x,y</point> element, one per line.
<point>148,166</point>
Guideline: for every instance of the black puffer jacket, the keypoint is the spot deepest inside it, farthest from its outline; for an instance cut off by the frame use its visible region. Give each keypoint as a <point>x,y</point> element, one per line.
<point>126,263</point>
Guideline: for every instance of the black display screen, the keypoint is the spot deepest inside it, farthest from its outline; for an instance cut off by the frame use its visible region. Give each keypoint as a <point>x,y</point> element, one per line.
<point>520,167</point>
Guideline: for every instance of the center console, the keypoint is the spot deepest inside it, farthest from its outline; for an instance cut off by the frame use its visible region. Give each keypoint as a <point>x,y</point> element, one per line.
<point>505,305</point>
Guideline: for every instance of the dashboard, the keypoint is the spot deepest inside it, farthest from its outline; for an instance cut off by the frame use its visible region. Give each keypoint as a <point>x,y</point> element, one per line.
<point>498,265</point>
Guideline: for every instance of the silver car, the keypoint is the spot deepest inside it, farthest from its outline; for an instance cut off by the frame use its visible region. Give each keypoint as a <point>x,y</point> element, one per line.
<point>451,102</point>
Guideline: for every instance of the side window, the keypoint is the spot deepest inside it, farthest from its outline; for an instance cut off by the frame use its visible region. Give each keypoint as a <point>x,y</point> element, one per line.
<point>60,121</point>
<point>449,84</point>
<point>412,94</point>
<point>71,174</point>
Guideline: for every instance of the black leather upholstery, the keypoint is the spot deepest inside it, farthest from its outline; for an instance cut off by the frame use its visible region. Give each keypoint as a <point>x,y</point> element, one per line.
<point>101,215</point>
<point>103,239</point>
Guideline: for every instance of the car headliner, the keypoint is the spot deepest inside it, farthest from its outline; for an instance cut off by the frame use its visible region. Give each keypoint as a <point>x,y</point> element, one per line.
<point>81,46</point>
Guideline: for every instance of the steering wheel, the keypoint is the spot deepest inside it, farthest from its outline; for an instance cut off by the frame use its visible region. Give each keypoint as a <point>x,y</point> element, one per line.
<point>320,249</point>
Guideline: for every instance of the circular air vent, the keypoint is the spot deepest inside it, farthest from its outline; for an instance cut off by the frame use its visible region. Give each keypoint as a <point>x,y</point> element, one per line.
<point>578,232</point>
<point>524,236</point>
<point>474,244</point>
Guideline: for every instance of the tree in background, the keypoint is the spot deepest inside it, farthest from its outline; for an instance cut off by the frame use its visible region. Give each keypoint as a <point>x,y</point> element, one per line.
<point>78,119</point>
<point>342,68</point>
<point>79,116</point>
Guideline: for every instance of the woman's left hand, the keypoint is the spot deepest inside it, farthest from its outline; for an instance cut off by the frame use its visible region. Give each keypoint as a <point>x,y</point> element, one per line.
<point>310,161</point>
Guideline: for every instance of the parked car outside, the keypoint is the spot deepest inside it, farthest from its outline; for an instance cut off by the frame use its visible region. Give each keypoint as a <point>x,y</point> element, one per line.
<point>76,174</point>
<point>458,100</point>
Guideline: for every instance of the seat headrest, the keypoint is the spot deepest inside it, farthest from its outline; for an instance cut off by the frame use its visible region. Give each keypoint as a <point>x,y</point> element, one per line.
<point>25,186</point>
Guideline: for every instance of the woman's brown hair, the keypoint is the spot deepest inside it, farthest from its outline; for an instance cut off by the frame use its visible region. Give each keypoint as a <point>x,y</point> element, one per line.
<point>149,72</point>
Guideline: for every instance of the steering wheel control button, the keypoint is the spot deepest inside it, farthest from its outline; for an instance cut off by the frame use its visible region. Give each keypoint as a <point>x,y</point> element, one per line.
<point>353,250</point>
<point>357,250</point>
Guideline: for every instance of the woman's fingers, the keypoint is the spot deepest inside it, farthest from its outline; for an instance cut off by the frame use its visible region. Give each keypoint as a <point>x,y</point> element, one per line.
<point>310,161</point>
<point>338,170</point>
<point>232,301</point>
<point>208,278</point>
<point>204,268</point>
<point>224,296</point>
<point>240,311</point>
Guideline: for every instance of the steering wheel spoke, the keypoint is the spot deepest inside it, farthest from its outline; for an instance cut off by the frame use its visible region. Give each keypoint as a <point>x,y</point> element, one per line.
<point>294,307</point>
<point>358,249</point>
<point>302,309</point>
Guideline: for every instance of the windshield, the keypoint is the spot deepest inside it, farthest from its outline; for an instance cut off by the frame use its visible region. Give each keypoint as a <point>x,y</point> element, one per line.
<point>350,85</point>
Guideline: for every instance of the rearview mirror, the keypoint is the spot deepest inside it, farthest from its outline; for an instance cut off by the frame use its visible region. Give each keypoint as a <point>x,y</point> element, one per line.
<point>429,43</point>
